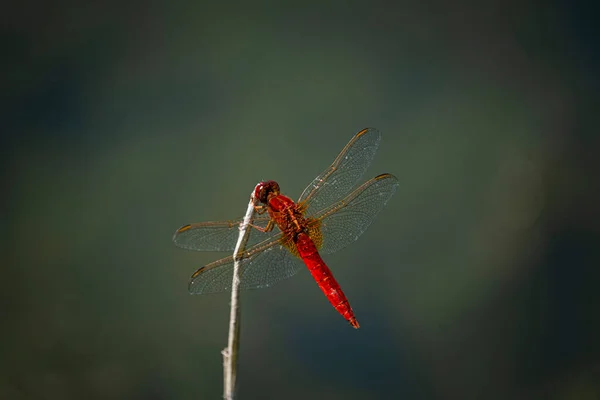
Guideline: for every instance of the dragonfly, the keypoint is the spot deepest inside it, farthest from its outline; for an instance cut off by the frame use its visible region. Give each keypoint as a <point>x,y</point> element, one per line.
<point>286,235</point>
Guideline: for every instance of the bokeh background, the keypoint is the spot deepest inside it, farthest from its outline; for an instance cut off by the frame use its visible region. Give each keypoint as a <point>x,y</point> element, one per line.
<point>122,121</point>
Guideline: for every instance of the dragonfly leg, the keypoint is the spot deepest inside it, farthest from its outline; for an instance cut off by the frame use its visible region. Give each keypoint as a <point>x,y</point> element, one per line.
<point>268,228</point>
<point>260,209</point>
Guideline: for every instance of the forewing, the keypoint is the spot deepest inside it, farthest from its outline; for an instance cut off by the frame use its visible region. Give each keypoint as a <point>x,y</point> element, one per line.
<point>343,222</point>
<point>263,265</point>
<point>341,176</point>
<point>218,235</point>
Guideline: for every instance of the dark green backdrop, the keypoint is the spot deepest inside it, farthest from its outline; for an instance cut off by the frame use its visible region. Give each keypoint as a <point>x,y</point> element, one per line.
<point>122,122</point>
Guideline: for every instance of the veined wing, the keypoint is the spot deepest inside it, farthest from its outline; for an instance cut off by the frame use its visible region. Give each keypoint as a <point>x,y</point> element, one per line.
<point>343,222</point>
<point>218,235</point>
<point>341,176</point>
<point>262,265</point>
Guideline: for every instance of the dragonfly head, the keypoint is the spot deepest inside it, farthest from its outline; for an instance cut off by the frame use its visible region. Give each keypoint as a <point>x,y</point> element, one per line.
<point>266,190</point>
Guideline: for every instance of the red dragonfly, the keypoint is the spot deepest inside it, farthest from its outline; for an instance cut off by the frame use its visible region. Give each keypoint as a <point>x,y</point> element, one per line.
<point>327,217</point>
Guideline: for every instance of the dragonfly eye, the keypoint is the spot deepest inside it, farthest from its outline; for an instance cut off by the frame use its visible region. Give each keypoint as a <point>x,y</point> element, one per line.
<point>265,189</point>
<point>274,187</point>
<point>261,192</point>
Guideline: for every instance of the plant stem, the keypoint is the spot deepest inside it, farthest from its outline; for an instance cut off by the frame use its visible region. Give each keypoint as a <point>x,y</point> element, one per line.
<point>230,354</point>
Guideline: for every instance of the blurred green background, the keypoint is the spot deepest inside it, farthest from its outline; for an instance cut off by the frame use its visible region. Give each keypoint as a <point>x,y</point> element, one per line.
<point>123,121</point>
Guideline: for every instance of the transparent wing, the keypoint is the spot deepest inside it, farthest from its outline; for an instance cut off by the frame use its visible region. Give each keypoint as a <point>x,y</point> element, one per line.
<point>263,265</point>
<point>347,169</point>
<point>218,235</point>
<point>343,222</point>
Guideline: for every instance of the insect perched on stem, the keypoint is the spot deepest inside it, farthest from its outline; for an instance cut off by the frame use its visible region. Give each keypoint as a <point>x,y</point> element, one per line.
<point>328,216</point>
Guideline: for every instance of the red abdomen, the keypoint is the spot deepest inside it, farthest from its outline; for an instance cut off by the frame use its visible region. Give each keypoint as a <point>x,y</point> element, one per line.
<point>322,274</point>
